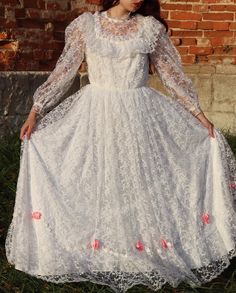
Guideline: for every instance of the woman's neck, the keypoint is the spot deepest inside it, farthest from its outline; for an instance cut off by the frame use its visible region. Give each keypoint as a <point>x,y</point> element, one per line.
<point>118,12</point>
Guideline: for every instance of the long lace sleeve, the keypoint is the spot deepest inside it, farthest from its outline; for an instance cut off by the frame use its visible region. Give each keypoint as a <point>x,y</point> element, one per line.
<point>62,76</point>
<point>167,62</point>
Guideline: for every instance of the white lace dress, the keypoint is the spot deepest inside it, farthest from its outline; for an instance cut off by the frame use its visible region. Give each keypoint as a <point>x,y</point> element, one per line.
<point>120,184</point>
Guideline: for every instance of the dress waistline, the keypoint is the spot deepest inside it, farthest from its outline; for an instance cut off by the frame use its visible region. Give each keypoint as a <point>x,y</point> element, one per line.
<point>110,88</point>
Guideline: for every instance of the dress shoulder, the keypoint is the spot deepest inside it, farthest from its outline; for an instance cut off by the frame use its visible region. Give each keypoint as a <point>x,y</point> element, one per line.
<point>80,22</point>
<point>154,29</point>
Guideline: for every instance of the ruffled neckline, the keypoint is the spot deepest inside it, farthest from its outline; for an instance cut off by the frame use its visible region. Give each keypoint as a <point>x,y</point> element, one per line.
<point>112,19</point>
<point>102,33</point>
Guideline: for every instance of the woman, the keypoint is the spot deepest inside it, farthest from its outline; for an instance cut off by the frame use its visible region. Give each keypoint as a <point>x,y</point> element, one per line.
<point>120,184</point>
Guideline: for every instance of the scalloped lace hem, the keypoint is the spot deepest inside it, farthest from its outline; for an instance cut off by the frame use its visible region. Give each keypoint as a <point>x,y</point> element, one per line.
<point>121,281</point>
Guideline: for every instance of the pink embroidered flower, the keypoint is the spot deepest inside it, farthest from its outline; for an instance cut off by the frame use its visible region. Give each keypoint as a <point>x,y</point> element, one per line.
<point>205,218</point>
<point>36,215</point>
<point>232,185</point>
<point>139,245</point>
<point>96,244</point>
<point>164,243</point>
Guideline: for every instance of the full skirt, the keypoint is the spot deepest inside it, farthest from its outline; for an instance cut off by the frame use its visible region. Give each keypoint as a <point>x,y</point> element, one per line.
<point>123,187</point>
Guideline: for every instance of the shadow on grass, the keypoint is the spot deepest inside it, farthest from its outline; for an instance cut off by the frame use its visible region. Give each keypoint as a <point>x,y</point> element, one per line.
<point>12,280</point>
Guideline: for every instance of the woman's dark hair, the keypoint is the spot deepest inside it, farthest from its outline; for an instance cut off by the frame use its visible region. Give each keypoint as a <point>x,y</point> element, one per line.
<point>148,7</point>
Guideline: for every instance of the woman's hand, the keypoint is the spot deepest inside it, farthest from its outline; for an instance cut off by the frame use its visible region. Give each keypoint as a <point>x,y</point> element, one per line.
<point>28,126</point>
<point>206,123</point>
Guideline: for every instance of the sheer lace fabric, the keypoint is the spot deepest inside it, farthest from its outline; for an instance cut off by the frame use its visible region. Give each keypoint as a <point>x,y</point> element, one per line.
<point>167,61</point>
<point>62,77</point>
<point>120,184</point>
<point>123,28</point>
<point>150,38</point>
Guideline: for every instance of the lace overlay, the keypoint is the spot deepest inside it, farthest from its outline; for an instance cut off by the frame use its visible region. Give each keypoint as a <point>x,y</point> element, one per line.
<point>120,184</point>
<point>62,77</point>
<point>167,62</point>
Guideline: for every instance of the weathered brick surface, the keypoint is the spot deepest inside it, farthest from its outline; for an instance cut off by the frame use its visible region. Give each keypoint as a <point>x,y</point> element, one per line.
<point>16,90</point>
<point>203,31</point>
<point>38,28</point>
<point>39,25</point>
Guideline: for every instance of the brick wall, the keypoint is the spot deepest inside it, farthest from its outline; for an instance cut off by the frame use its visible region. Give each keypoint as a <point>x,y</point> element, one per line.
<point>203,31</point>
<point>32,31</point>
<point>32,38</point>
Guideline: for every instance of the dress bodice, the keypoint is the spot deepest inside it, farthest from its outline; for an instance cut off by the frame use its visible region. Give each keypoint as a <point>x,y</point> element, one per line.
<point>117,53</point>
<point>112,53</point>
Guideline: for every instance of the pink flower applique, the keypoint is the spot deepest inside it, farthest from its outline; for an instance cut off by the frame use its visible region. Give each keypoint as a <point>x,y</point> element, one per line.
<point>36,215</point>
<point>95,244</point>
<point>232,185</point>
<point>205,218</point>
<point>139,245</point>
<point>165,244</point>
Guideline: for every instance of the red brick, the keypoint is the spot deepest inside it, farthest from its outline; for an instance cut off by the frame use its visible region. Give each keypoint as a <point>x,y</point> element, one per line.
<point>231,7</point>
<point>205,25</point>
<point>213,25</point>
<point>59,25</point>
<point>30,4</point>
<point>232,26</point>
<point>30,23</point>
<point>217,7</point>
<point>185,33</point>
<point>170,6</point>
<point>25,65</point>
<point>24,55</point>
<point>188,25</point>
<point>53,6</point>
<point>188,59</point>
<point>218,34</point>
<point>185,15</point>
<point>10,24</point>
<point>217,41</point>
<point>48,14</point>
<point>182,24</point>
<point>11,3</point>
<point>182,50</point>
<point>32,13</point>
<point>41,4</point>
<point>211,1</point>
<point>220,26</point>
<point>196,27</point>
<point>59,36</point>
<point>38,54</point>
<point>226,50</point>
<point>49,45</point>
<point>200,50</point>
<point>2,12</point>
<point>61,16</point>
<point>2,22</point>
<point>19,12</point>
<point>188,41</point>
<point>200,8</point>
<point>218,16</point>
<point>164,14</point>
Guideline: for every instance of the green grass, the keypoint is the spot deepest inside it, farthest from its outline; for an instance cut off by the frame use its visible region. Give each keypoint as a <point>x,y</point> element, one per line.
<point>12,280</point>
